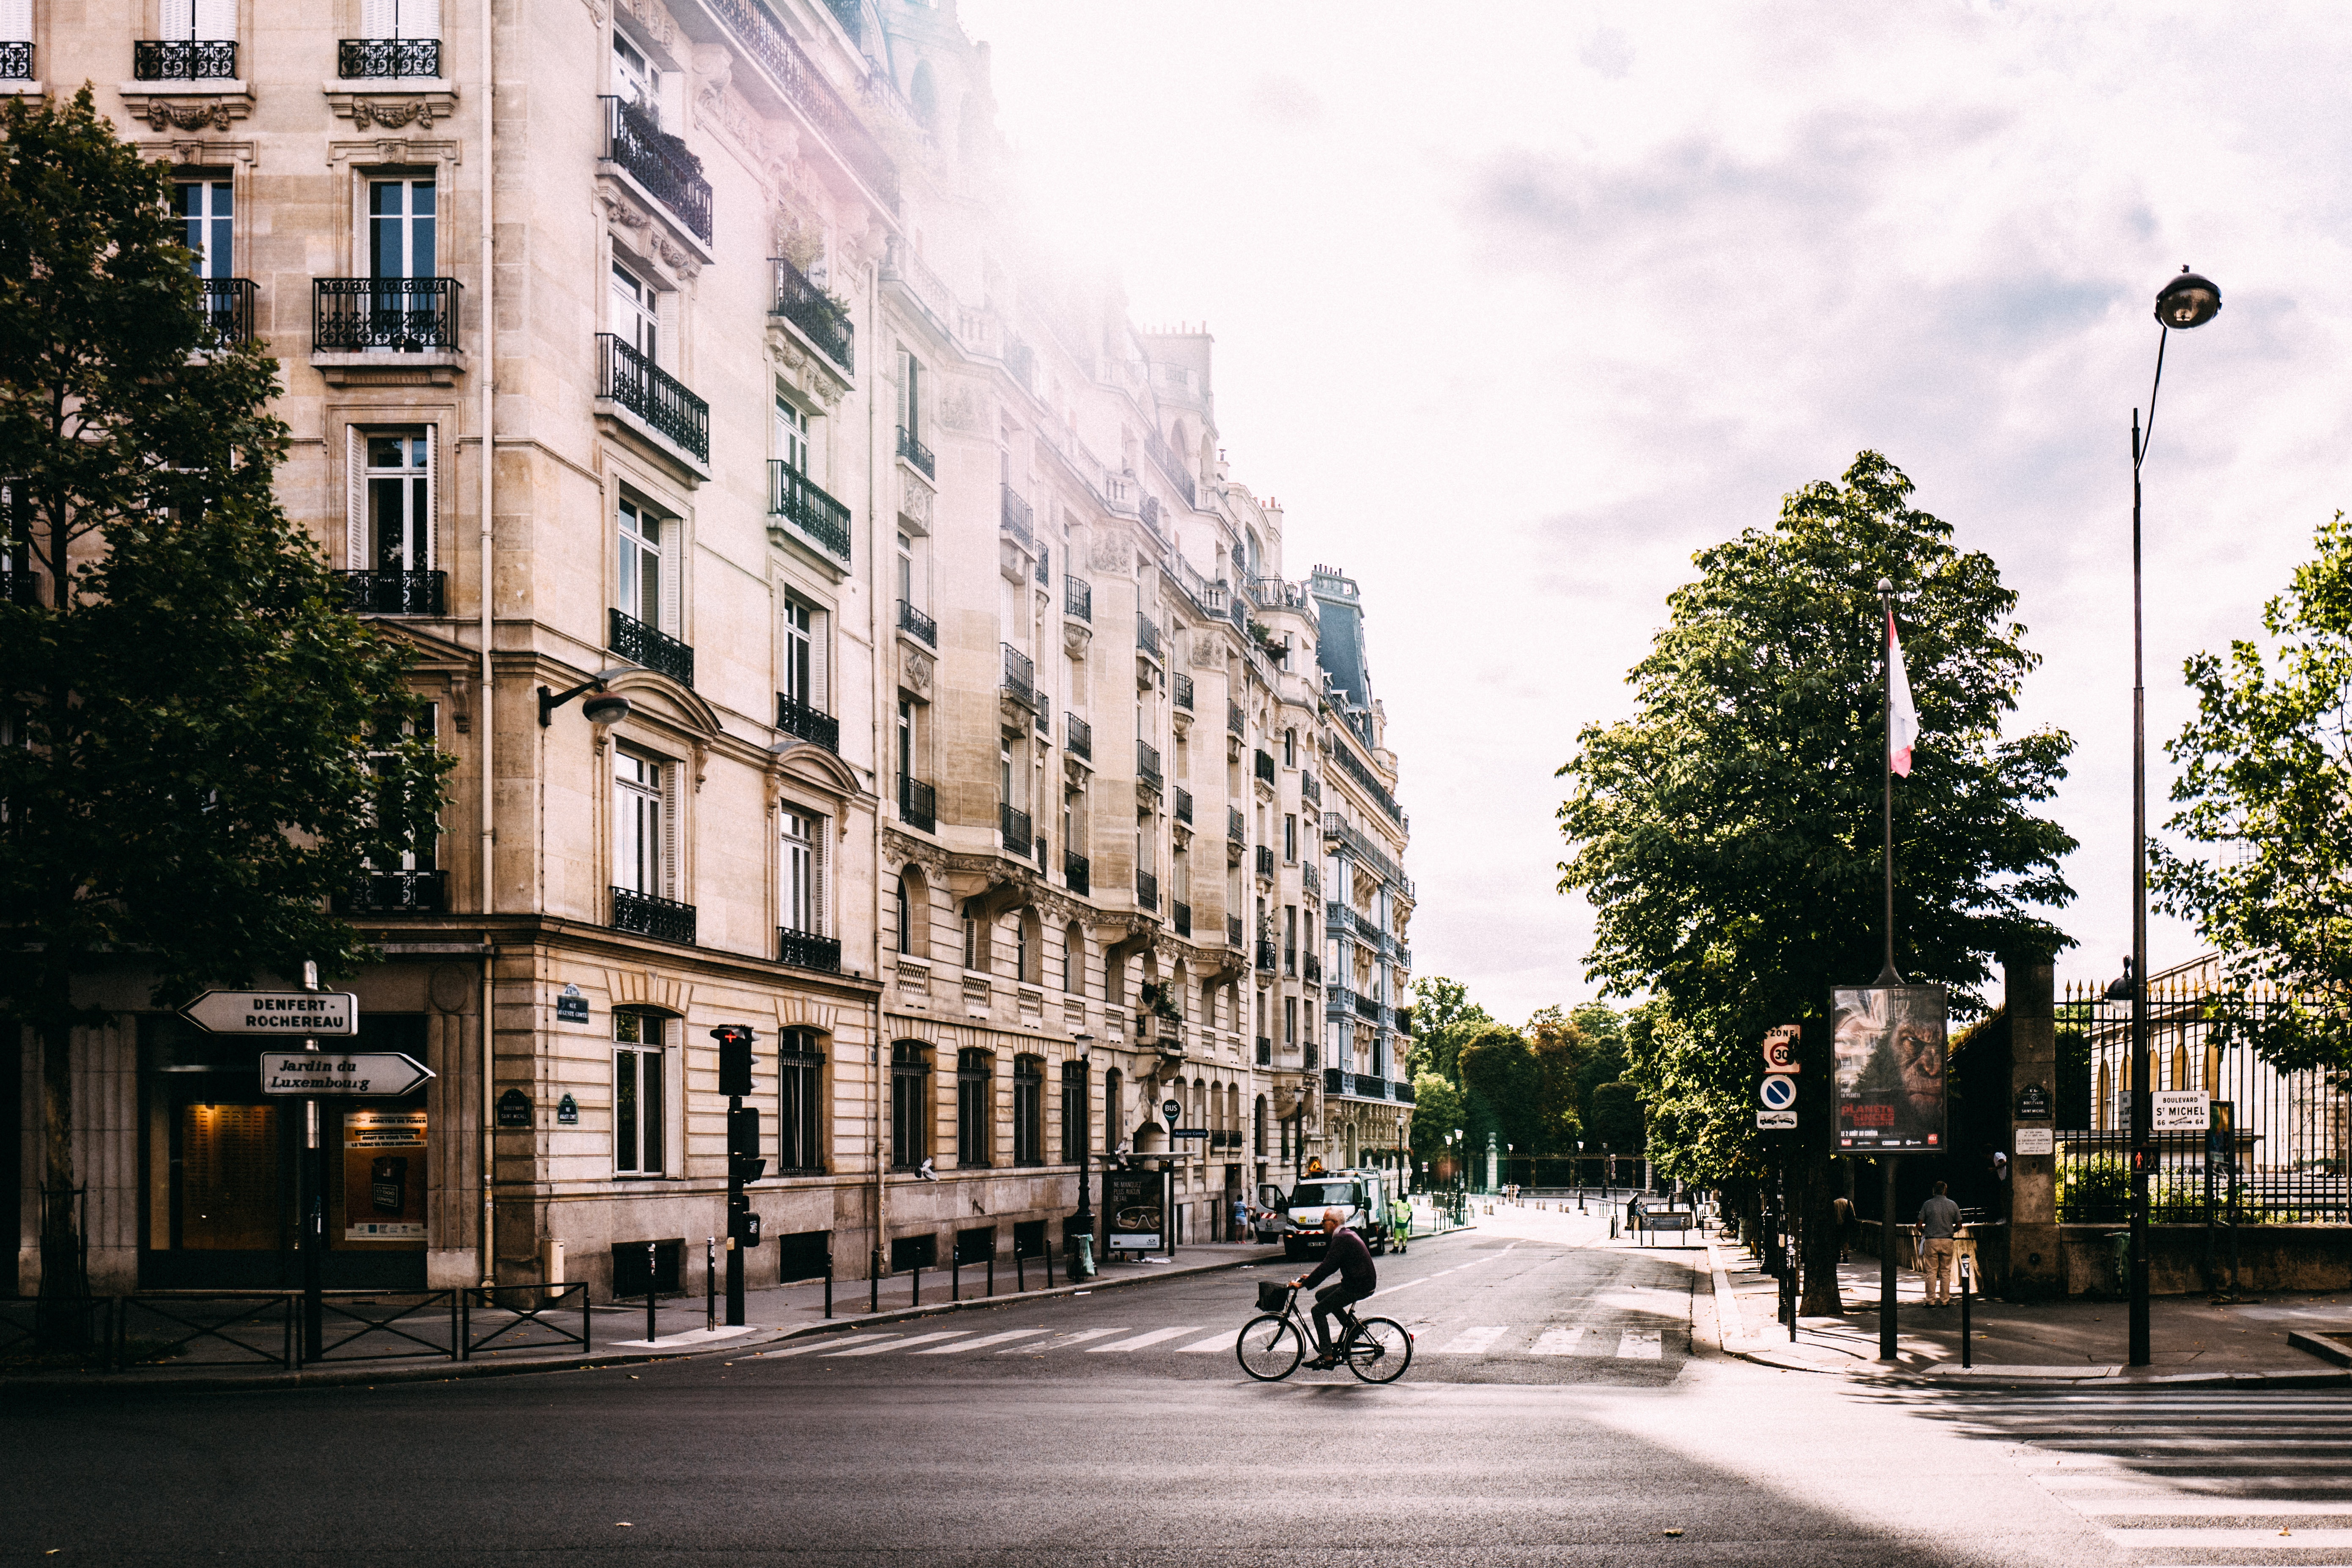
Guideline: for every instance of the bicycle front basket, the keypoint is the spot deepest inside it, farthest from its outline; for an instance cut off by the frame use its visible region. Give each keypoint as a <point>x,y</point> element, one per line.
<point>1272,1295</point>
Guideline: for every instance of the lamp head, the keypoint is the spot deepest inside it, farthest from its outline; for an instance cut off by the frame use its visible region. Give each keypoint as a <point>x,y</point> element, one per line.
<point>2188,301</point>
<point>1884,588</point>
<point>605,708</point>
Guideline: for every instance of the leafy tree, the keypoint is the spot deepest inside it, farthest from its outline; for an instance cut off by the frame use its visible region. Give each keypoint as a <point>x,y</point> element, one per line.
<point>1436,1111</point>
<point>1444,1019</point>
<point>1727,835</point>
<point>1562,1052</point>
<point>2267,773</point>
<point>205,746</point>
<point>1503,1086</point>
<point>1617,1117</point>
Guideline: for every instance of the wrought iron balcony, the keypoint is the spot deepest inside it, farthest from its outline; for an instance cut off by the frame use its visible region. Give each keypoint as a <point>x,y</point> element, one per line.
<point>1404,1020</point>
<point>653,394</point>
<point>1014,825</point>
<point>229,304</point>
<point>1079,598</point>
<point>1371,1087</point>
<point>1147,765</point>
<point>795,717</point>
<point>1146,634</point>
<point>394,593</point>
<point>1233,931</point>
<point>1233,717</point>
<point>1266,765</point>
<point>1310,789</point>
<point>183,60</point>
<point>1016,516</point>
<point>1290,961</point>
<point>1147,891</point>
<point>812,310</point>
<point>15,61</point>
<point>397,892</point>
<point>1265,1052</point>
<point>1266,860</point>
<point>1403,1090</point>
<point>1183,914</point>
<point>915,452</point>
<point>1183,691</point>
<point>1079,872</point>
<point>366,57</point>
<point>658,650</point>
<point>659,161</point>
<point>806,950</point>
<point>1019,677</point>
<point>797,499</point>
<point>917,625</point>
<point>919,804</point>
<point>1311,881</point>
<point>1266,954</point>
<point>1367,1007</point>
<point>1335,1081</point>
<point>1237,830</point>
<point>1081,736</point>
<point>1183,804</point>
<point>1046,718</point>
<point>1312,969</point>
<point>647,915</point>
<point>402,315</point>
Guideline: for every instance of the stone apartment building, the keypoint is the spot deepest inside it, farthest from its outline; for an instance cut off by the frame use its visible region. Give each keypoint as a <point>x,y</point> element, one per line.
<point>843,623</point>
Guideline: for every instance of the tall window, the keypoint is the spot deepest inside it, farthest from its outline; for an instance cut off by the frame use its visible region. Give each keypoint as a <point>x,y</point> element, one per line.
<point>802,656</point>
<point>1289,837</point>
<point>1290,1020</point>
<point>399,479</point>
<point>1290,748</point>
<point>637,313</point>
<point>1078,1110</point>
<point>401,217</point>
<point>643,592</point>
<point>1258,1129</point>
<point>640,825</point>
<point>1112,1111</point>
<point>633,77</point>
<point>906,932</point>
<point>205,209</point>
<point>793,437</point>
<point>1074,960</point>
<point>907,571</point>
<point>975,1109</point>
<point>800,1102</point>
<point>638,1101</point>
<point>399,18</point>
<point>906,739</point>
<point>208,20</point>
<point>1028,1110</point>
<point>803,872</point>
<point>419,855</point>
<point>911,1104</point>
<point>910,401</point>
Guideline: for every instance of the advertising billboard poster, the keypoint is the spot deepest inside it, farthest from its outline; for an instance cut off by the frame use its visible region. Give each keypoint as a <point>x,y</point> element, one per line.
<point>1889,1050</point>
<point>383,1177</point>
<point>1135,1209</point>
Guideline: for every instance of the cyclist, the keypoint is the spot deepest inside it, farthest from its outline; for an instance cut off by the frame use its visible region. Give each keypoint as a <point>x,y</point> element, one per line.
<point>1346,1255</point>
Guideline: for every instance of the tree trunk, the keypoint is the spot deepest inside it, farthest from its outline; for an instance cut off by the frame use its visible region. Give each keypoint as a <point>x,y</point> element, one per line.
<point>1823,1296</point>
<point>61,1324</point>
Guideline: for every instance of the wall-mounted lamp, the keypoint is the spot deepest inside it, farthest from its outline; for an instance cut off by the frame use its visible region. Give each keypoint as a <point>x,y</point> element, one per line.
<point>603,709</point>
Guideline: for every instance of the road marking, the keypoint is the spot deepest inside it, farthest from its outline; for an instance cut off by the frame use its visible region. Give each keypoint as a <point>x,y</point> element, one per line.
<point>1139,1341</point>
<point>1561,1341</point>
<point>1212,1343</point>
<point>830,1341</point>
<point>985,1340</point>
<point>1472,1341</point>
<point>897,1342</point>
<point>1081,1337</point>
<point>1636,1345</point>
<point>2301,1541</point>
<point>1442,1273</point>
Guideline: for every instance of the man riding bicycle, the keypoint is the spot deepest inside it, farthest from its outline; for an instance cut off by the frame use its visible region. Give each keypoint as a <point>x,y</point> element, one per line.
<point>1346,1256</point>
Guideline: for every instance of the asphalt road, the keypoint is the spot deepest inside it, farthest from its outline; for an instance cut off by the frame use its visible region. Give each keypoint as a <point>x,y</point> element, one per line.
<point>1063,1441</point>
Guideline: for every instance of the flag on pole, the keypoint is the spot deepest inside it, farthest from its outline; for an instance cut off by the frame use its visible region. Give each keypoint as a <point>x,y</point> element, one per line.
<point>1902,719</point>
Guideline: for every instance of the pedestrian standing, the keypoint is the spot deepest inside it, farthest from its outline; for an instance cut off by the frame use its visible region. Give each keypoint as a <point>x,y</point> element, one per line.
<point>1939,1228</point>
<point>1841,1209</point>
<point>1240,1218</point>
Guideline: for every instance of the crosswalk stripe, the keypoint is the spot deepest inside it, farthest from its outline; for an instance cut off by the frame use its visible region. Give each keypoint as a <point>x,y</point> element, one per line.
<point>1472,1341</point>
<point>896,1342</point>
<point>2300,1539</point>
<point>1203,1347</point>
<point>1063,1342</point>
<point>1563,1341</point>
<point>830,1341</point>
<point>1007,1335</point>
<point>1139,1341</point>
<point>1635,1344</point>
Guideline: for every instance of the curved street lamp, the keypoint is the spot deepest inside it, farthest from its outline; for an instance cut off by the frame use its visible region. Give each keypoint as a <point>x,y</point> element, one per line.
<point>2186,302</point>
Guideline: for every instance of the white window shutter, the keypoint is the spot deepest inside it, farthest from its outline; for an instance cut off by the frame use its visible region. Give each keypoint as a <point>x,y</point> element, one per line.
<point>379,18</point>
<point>820,688</point>
<point>420,18</point>
<point>17,21</point>
<point>672,549</point>
<point>669,879</point>
<point>355,519</point>
<point>214,19</point>
<point>179,19</point>
<point>820,850</point>
<point>432,499</point>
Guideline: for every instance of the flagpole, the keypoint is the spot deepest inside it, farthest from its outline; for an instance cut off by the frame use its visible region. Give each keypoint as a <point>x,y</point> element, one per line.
<point>1887,976</point>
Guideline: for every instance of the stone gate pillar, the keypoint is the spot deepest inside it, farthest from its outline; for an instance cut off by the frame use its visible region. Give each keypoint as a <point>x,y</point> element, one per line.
<point>2034,1263</point>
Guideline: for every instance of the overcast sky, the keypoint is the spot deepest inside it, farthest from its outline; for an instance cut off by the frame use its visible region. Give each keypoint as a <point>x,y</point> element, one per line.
<point>1517,306</point>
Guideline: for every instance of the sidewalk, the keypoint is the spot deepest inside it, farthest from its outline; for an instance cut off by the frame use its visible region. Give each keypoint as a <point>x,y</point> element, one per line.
<point>2297,1337</point>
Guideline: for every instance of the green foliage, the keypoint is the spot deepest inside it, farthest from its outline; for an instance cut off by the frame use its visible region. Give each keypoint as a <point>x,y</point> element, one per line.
<point>1617,1117</point>
<point>1504,1086</point>
<point>2266,774</point>
<point>1437,1111</point>
<point>1444,1019</point>
<point>1727,835</point>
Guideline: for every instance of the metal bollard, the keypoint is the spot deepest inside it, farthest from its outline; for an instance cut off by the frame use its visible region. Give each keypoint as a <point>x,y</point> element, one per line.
<point>917,1298</point>
<point>649,1292</point>
<point>1965,1360</point>
<point>710,1283</point>
<point>1049,1268</point>
<point>874,1282</point>
<point>991,1272</point>
<point>955,1275</point>
<point>1020,1272</point>
<point>828,1283</point>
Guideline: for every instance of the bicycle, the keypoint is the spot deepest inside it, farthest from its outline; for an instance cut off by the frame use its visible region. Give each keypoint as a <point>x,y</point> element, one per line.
<point>1272,1344</point>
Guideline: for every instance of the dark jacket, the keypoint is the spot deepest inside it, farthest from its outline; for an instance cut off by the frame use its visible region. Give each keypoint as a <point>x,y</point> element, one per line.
<point>1350,1259</point>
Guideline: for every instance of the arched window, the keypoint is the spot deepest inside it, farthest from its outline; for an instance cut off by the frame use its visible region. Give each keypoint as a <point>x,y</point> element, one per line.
<point>800,1101</point>
<point>1032,948</point>
<point>1113,1113</point>
<point>2180,1066</point>
<point>1078,1110</point>
<point>1259,1128</point>
<point>1074,959</point>
<point>911,1104</point>
<point>2212,1084</point>
<point>2101,1112</point>
<point>914,913</point>
<point>976,1105</point>
<point>1028,1110</point>
<point>1115,979</point>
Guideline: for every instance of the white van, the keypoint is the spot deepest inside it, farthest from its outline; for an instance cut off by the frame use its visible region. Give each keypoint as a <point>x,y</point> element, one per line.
<point>1361,1196</point>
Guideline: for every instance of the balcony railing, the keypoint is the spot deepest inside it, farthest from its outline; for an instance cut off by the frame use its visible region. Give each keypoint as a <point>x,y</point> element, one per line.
<point>15,61</point>
<point>659,161</point>
<point>1147,765</point>
<point>367,58</point>
<point>1016,516</point>
<point>1044,565</point>
<point>1266,956</point>
<point>653,394</point>
<point>1079,872</point>
<point>1014,825</point>
<point>1146,634</point>
<point>805,85</point>
<point>397,892</point>
<point>1311,881</point>
<point>1079,598</point>
<point>1312,968</point>
<point>915,452</point>
<point>183,60</point>
<point>806,950</point>
<point>1183,804</point>
<point>1265,1052</point>
<point>1367,1007</point>
<point>647,915</point>
<point>1019,677</point>
<point>1266,860</point>
<point>917,625</point>
<point>1237,830</point>
<point>1266,766</point>
<point>1080,736</point>
<point>1183,914</point>
<point>404,315</point>
<point>658,650</point>
<point>394,593</point>
<point>812,310</point>
<point>795,498</point>
<point>229,304</point>
<point>1336,1080</point>
<point>919,804</point>
<point>1307,1055</point>
<point>1183,691</point>
<point>1310,789</point>
<point>795,717</point>
<point>1233,717</point>
<point>1402,1088</point>
<point>1147,891</point>
<point>1233,931</point>
<point>1371,1087</point>
<point>1404,1020</point>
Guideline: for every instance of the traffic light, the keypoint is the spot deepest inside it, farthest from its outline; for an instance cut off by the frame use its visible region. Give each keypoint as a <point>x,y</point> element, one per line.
<point>2144,1161</point>
<point>742,1221</point>
<point>734,1057</point>
<point>743,1161</point>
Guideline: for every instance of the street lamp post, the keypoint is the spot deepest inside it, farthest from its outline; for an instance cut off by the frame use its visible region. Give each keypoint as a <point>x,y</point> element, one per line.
<point>1084,1218</point>
<point>2188,300</point>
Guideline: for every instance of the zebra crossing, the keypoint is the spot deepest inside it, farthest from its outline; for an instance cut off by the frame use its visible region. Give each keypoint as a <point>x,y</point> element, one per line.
<point>2204,1477</point>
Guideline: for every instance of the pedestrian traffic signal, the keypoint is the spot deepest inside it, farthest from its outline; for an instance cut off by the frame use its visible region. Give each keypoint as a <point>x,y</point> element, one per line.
<point>742,1221</point>
<point>743,1161</point>
<point>734,1057</point>
<point>2144,1161</point>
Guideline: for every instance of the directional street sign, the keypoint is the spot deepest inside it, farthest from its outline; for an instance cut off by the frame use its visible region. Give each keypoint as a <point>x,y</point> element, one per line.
<point>298,1015</point>
<point>1776,1119</point>
<point>2180,1110</point>
<point>345,1074</point>
<point>1777,1093</point>
<point>1780,1049</point>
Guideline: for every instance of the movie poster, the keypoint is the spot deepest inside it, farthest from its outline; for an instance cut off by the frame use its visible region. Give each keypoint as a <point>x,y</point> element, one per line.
<point>1888,1043</point>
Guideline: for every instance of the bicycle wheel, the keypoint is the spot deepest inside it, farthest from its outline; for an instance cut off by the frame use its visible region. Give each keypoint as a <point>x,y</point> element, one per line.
<point>1269,1348</point>
<point>1380,1351</point>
